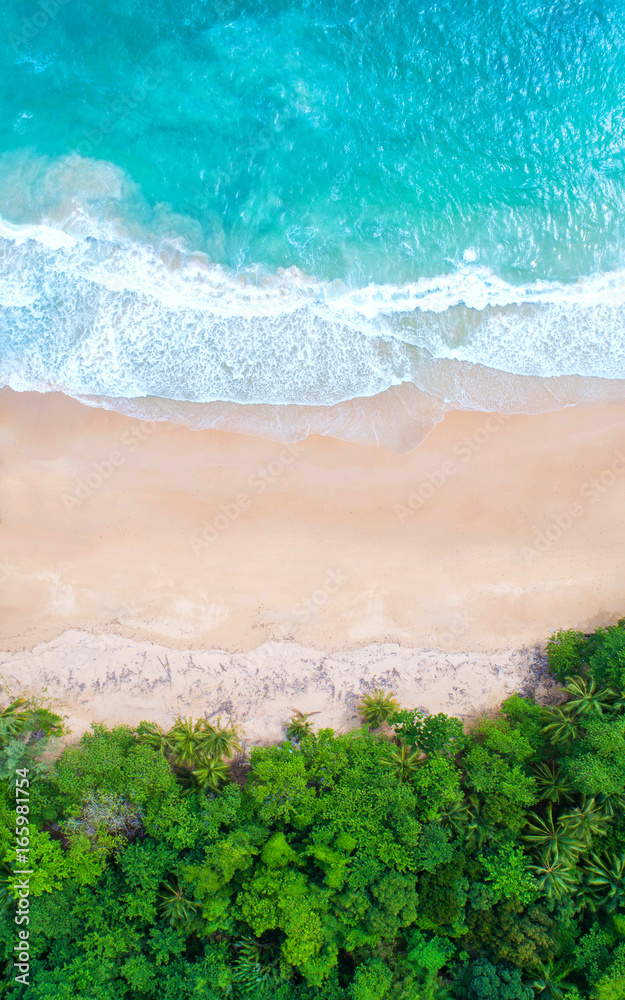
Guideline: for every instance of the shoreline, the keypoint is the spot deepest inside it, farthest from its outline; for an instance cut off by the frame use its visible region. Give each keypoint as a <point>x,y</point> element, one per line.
<point>113,680</point>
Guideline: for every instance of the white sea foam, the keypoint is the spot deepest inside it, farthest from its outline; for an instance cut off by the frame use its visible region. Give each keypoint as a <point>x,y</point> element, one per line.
<point>46,235</point>
<point>98,302</point>
<point>478,287</point>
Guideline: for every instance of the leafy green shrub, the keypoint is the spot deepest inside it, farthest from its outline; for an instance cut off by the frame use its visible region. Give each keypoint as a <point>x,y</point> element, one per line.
<point>611,985</point>
<point>565,653</point>
<point>428,955</point>
<point>431,734</point>
<point>113,762</point>
<point>484,981</point>
<point>601,655</point>
<point>527,717</point>
<point>508,872</point>
<point>596,764</point>
<point>606,660</point>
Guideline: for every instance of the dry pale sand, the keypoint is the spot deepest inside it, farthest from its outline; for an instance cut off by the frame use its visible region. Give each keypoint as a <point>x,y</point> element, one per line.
<point>492,534</point>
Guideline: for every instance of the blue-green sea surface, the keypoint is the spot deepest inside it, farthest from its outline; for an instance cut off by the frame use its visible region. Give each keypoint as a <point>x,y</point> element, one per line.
<point>306,203</point>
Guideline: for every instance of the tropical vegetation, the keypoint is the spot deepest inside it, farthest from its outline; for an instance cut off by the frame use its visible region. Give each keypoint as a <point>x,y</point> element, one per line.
<point>409,859</point>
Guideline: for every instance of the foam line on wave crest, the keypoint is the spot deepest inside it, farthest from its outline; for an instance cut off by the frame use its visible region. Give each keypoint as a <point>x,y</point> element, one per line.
<point>204,285</point>
<point>121,305</point>
<point>61,329</point>
<point>166,274</point>
<point>40,233</point>
<point>479,288</point>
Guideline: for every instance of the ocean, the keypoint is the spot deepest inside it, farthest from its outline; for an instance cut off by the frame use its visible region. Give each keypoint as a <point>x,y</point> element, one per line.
<point>341,217</point>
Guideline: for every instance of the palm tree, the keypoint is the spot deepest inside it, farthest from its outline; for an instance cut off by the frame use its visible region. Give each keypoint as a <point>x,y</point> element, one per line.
<point>377,708</point>
<point>299,726</point>
<point>185,778</point>
<point>478,830</point>
<point>155,737</point>
<point>15,716</point>
<point>210,773</point>
<point>556,877</point>
<point>618,705</point>
<point>612,805</point>
<point>560,726</point>
<point>455,816</point>
<point>587,698</point>
<point>256,970</point>
<point>551,782</point>
<point>586,821</point>
<point>552,834</point>
<point>176,907</point>
<point>187,739</point>
<point>403,761</point>
<point>606,881</point>
<point>551,984</point>
<point>220,741</point>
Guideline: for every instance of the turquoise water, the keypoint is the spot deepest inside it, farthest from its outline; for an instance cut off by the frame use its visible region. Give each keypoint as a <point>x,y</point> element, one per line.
<point>307,203</point>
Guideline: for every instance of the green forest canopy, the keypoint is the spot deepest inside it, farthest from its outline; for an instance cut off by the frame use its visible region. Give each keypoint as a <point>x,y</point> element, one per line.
<point>410,861</point>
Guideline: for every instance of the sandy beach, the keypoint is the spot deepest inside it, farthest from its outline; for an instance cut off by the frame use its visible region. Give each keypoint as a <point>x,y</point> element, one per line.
<point>492,534</point>
<point>111,679</point>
